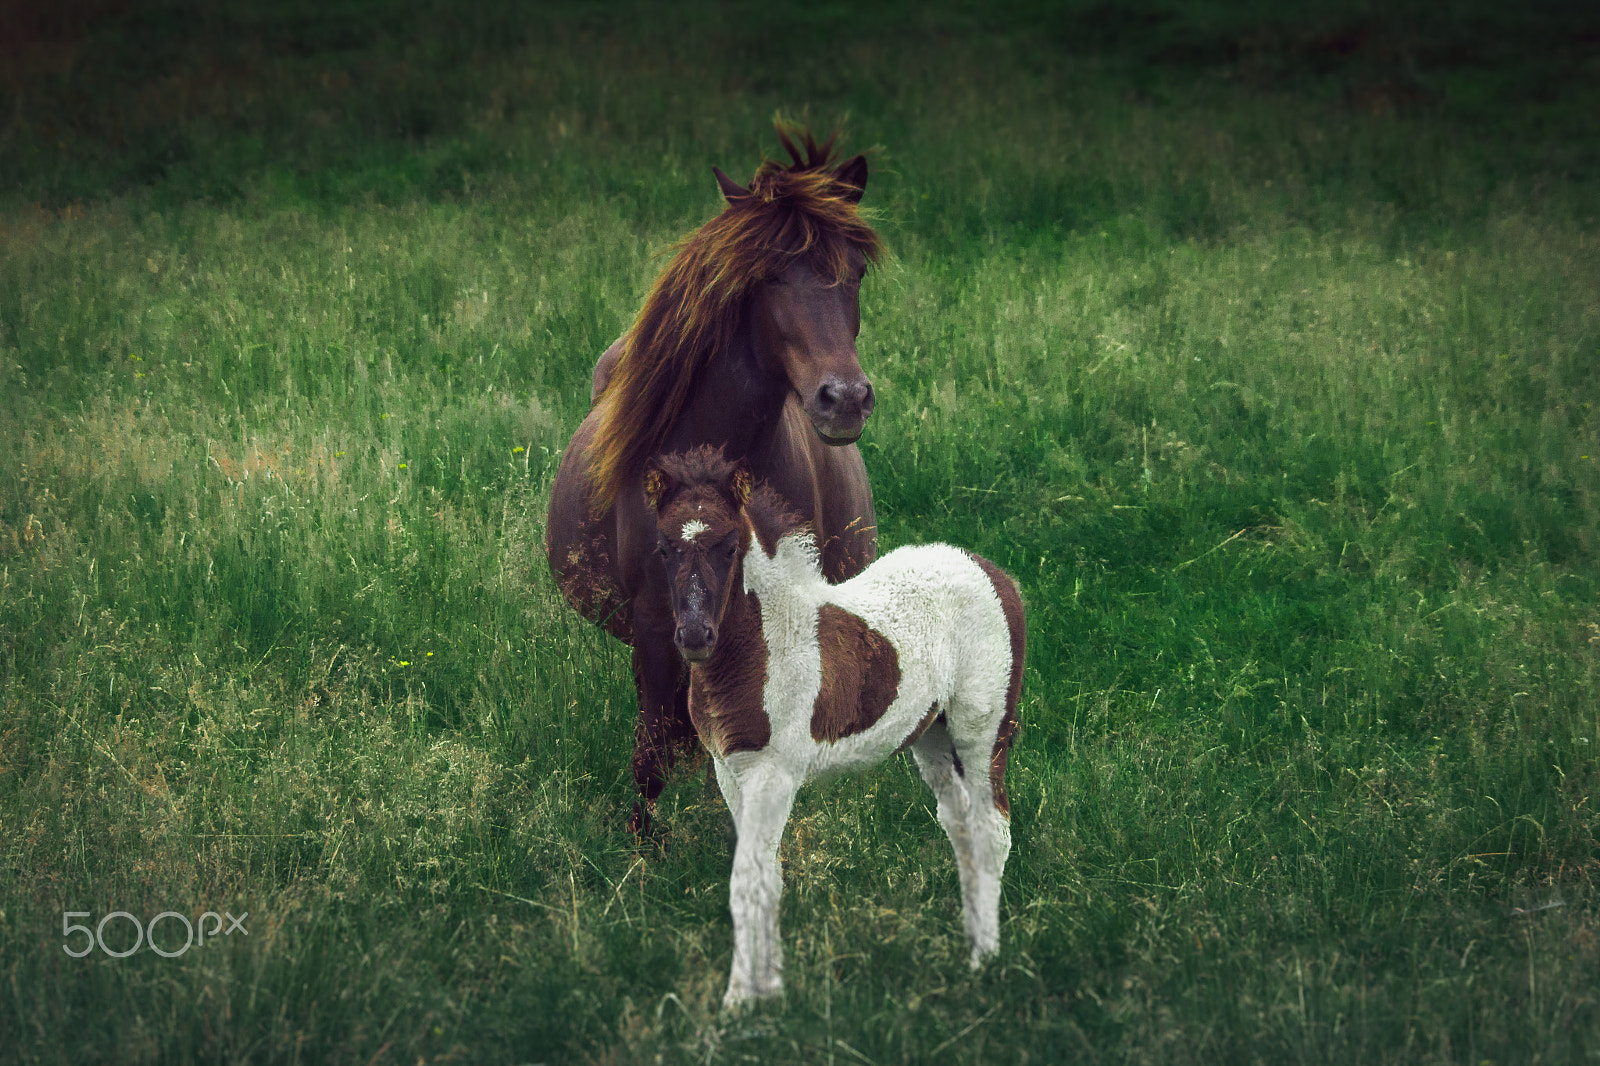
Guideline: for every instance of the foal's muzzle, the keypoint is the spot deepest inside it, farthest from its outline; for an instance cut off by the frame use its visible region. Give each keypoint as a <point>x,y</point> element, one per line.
<point>695,640</point>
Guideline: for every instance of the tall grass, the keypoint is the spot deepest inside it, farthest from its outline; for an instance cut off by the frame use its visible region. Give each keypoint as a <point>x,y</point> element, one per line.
<point>1279,402</point>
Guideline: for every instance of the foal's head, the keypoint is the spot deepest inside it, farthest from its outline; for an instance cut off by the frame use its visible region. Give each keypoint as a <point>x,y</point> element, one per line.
<point>701,536</point>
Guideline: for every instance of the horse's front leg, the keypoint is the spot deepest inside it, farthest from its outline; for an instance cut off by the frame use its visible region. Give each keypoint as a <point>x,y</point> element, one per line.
<point>658,679</point>
<point>756,887</point>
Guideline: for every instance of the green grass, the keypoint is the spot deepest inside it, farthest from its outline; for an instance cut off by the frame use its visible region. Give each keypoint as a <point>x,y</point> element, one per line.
<point>1264,359</point>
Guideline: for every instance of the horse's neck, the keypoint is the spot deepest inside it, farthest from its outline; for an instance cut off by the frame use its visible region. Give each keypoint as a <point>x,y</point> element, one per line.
<point>734,403</point>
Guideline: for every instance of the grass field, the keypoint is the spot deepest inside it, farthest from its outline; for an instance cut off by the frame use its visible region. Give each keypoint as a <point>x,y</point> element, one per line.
<point>1265,353</point>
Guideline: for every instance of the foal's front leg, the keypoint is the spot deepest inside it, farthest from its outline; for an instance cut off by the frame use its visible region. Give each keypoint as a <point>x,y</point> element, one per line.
<point>729,785</point>
<point>762,802</point>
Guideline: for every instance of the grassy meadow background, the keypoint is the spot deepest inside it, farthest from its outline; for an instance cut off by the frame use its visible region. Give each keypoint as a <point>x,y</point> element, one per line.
<point>1263,349</point>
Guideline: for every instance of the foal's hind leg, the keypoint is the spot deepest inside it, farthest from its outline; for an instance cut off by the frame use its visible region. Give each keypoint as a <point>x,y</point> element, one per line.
<point>990,831</point>
<point>979,832</point>
<point>937,761</point>
<point>982,751</point>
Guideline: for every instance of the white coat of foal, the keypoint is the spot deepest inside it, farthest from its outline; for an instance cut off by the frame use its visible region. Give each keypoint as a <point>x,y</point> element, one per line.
<point>923,649</point>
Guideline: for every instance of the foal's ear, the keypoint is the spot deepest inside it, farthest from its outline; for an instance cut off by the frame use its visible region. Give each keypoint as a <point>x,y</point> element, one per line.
<point>741,483</point>
<point>731,190</point>
<point>655,485</point>
<point>852,174</point>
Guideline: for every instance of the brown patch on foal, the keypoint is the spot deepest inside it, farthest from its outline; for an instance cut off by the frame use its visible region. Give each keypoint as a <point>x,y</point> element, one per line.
<point>726,694</point>
<point>1011,605</point>
<point>860,675</point>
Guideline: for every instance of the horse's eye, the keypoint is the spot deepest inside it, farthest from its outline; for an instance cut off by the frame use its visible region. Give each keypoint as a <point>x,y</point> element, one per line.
<point>728,551</point>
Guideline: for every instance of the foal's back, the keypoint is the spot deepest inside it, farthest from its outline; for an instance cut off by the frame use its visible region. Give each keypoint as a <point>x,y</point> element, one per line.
<point>938,606</point>
<point>954,646</point>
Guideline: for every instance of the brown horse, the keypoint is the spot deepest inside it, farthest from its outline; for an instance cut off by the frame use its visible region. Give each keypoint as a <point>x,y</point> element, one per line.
<point>747,340</point>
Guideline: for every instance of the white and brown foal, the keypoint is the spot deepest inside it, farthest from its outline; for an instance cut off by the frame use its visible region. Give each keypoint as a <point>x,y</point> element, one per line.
<point>792,678</point>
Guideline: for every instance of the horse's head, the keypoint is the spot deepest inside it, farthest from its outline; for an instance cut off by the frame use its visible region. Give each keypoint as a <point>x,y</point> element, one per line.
<point>806,325</point>
<point>806,311</point>
<point>701,537</point>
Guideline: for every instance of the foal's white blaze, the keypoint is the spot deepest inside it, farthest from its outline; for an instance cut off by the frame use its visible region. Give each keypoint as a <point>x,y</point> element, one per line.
<point>942,615</point>
<point>692,529</point>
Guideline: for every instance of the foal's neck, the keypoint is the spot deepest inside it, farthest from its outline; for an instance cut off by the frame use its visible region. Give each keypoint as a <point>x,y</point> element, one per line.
<point>740,629</point>
<point>789,581</point>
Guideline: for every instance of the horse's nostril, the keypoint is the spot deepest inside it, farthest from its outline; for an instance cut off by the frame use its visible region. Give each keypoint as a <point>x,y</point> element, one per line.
<point>838,397</point>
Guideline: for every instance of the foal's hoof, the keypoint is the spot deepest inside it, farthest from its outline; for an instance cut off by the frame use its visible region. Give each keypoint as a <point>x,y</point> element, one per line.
<point>739,997</point>
<point>639,820</point>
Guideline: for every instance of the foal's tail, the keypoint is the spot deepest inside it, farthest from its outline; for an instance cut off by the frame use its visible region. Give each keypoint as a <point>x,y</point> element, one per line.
<point>1010,596</point>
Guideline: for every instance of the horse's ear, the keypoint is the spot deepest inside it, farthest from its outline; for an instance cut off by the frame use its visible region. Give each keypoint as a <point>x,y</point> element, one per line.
<point>741,483</point>
<point>852,174</point>
<point>731,190</point>
<point>655,485</point>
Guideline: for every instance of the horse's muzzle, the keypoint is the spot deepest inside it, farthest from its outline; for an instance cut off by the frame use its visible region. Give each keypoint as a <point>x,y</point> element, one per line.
<point>839,409</point>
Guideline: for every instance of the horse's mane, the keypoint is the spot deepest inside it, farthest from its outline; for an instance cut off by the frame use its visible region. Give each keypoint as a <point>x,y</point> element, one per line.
<point>796,210</point>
